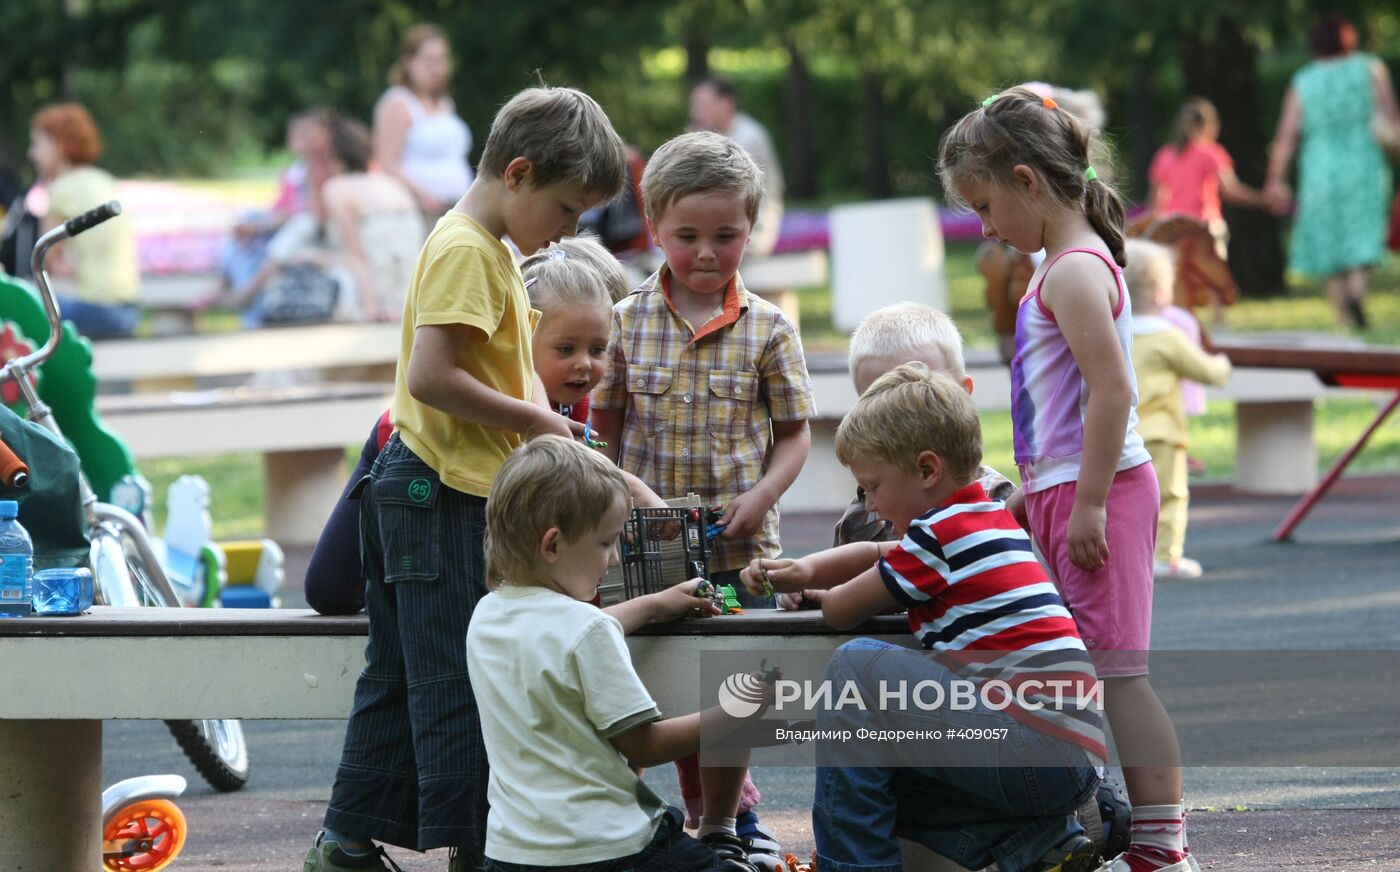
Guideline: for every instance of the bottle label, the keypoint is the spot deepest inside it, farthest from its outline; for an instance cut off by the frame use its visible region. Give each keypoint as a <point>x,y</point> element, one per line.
<point>14,577</point>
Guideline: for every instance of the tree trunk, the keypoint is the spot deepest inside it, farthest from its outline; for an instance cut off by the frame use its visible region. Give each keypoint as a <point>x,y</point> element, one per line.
<point>877,166</point>
<point>1142,129</point>
<point>695,40</point>
<point>797,103</point>
<point>1220,63</point>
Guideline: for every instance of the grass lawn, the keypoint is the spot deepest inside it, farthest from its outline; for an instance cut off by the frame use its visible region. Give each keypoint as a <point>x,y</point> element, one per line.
<point>236,480</point>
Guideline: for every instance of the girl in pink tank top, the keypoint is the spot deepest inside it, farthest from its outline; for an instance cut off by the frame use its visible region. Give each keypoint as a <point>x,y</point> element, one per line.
<point>1023,165</point>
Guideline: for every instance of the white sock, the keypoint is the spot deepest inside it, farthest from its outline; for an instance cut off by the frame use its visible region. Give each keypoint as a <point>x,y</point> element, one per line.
<point>715,825</point>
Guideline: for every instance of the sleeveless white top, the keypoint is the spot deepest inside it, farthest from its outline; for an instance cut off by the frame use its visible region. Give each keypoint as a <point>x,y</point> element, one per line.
<point>1049,395</point>
<point>436,148</point>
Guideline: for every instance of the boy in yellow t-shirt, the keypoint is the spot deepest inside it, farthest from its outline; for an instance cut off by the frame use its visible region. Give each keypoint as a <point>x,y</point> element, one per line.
<point>414,770</point>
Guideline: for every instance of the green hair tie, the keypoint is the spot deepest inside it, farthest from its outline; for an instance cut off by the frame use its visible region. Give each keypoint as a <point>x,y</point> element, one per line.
<point>990,100</point>
<point>1090,174</point>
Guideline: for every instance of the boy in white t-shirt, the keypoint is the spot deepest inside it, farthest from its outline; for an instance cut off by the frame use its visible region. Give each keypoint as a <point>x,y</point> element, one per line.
<point>564,716</point>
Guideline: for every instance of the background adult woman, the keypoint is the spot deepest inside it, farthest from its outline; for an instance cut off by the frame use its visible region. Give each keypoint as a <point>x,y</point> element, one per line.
<point>418,137</point>
<point>1333,104</point>
<point>96,277</point>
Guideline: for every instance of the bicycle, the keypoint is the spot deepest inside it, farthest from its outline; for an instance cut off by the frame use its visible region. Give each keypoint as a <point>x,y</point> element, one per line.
<point>126,570</point>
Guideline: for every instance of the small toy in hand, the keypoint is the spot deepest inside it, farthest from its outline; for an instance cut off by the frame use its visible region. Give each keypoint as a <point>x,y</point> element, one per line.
<point>588,439</point>
<point>731,604</point>
<point>763,577</point>
<point>713,527</point>
<point>769,675</point>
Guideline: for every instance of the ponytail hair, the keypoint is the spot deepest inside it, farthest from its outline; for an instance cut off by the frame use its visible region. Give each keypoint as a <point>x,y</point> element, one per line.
<point>1019,127</point>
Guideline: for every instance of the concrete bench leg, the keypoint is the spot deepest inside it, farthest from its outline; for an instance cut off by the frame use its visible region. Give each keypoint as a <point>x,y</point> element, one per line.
<point>1274,448</point>
<point>52,814</point>
<point>300,488</point>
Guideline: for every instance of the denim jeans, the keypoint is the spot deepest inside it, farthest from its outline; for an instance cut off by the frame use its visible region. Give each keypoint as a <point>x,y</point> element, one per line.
<point>1001,803</point>
<point>413,772</point>
<point>99,321</point>
<point>672,849</point>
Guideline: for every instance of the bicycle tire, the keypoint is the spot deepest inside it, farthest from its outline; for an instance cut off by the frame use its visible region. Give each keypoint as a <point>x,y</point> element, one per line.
<point>222,760</point>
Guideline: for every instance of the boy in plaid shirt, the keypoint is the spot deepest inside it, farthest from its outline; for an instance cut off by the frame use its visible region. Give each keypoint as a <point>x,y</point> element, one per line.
<point>707,392</point>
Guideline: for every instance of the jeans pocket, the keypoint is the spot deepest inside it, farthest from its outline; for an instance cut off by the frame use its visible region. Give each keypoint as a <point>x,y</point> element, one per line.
<point>409,526</point>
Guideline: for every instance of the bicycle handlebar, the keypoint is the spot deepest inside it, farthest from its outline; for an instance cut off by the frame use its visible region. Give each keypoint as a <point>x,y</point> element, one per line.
<point>92,217</point>
<point>68,229</point>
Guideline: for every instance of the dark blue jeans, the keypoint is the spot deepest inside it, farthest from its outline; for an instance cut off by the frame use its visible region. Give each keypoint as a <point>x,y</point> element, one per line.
<point>413,772</point>
<point>100,321</point>
<point>335,584</point>
<point>1001,803</point>
<point>672,849</point>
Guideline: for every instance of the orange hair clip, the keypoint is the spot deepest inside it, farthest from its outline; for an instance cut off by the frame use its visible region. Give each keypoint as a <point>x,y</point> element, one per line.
<point>1049,104</point>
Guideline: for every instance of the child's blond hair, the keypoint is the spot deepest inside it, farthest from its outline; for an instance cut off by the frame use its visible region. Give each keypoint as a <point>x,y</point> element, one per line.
<point>547,482</point>
<point>1150,270</point>
<point>908,410</point>
<point>700,163</point>
<point>907,330</point>
<point>574,271</point>
<point>566,136</point>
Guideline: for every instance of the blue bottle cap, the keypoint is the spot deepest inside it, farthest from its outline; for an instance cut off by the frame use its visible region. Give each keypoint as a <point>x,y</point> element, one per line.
<point>9,509</point>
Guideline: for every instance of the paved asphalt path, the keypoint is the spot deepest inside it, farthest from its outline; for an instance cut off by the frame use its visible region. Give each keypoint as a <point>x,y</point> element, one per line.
<point>1335,587</point>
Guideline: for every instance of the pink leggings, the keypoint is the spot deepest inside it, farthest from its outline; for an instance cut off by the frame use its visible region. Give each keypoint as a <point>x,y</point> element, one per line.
<point>688,769</point>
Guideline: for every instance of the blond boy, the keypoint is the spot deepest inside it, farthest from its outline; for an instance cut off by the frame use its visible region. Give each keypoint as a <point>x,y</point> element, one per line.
<point>564,715</point>
<point>1163,355</point>
<point>898,334</point>
<point>707,392</point>
<point>413,771</point>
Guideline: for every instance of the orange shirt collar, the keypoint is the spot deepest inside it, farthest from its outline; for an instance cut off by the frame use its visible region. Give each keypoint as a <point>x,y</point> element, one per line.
<point>732,306</point>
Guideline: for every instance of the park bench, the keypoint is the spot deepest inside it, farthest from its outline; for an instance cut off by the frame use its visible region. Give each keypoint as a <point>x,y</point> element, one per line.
<point>301,431</point>
<point>362,352</point>
<point>254,664</point>
<point>776,277</point>
<point>1275,451</point>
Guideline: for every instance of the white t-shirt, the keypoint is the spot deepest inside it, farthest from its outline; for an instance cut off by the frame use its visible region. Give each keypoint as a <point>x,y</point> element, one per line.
<point>554,681</point>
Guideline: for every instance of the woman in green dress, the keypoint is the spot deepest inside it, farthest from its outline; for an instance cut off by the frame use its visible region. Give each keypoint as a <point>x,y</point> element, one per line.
<point>1334,104</point>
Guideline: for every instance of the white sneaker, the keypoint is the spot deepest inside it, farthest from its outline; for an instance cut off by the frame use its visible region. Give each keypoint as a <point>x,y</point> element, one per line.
<point>1183,567</point>
<point>1118,864</point>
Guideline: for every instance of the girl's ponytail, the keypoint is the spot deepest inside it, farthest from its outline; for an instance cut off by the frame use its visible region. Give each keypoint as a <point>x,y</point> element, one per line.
<point>1106,213</point>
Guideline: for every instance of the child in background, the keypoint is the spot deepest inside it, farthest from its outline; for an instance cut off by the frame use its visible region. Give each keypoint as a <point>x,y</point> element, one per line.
<point>1023,165</point>
<point>976,595</point>
<point>564,714</point>
<point>707,392</point>
<point>1192,174</point>
<point>1162,356</point>
<point>413,771</point>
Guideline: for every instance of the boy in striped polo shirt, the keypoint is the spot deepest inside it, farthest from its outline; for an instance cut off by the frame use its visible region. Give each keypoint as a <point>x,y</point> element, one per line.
<point>977,597</point>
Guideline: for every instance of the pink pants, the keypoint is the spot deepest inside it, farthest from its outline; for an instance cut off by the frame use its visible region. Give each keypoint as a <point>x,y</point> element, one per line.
<point>688,770</point>
<point>1112,605</point>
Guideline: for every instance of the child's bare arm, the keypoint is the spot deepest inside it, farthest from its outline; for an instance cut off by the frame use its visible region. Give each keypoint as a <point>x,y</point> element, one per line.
<point>820,571</point>
<point>667,605</point>
<point>743,515</point>
<point>1082,294</point>
<point>607,427</point>
<point>858,600</point>
<point>1189,361</point>
<point>435,379</point>
<point>657,742</point>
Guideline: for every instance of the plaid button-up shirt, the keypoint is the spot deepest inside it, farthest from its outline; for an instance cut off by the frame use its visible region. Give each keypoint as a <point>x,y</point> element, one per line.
<point>697,404</point>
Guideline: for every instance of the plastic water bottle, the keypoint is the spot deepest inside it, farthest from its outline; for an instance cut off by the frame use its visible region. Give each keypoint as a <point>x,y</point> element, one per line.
<point>16,564</point>
<point>62,591</point>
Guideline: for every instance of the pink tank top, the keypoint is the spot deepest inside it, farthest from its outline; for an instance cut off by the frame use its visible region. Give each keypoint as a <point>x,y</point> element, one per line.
<point>1049,395</point>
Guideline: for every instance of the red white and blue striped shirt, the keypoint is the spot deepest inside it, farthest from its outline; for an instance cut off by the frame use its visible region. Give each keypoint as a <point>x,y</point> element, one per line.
<point>977,595</point>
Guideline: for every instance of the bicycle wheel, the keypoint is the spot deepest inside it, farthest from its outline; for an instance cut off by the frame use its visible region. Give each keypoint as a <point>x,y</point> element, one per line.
<point>217,750</point>
<point>146,835</point>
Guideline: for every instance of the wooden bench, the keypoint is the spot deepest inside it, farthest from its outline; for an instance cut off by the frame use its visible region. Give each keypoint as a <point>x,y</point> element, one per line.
<point>172,301</point>
<point>776,277</point>
<point>302,433</point>
<point>1275,452</point>
<point>362,352</point>
<point>253,663</point>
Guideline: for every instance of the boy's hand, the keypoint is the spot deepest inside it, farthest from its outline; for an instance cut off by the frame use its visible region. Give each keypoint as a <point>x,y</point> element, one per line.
<point>743,516</point>
<point>547,422</point>
<point>784,574</point>
<point>1088,541</point>
<point>680,600</point>
<point>801,599</point>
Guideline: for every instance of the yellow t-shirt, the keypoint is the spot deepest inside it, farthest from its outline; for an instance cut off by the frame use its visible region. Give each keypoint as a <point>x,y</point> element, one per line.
<point>103,258</point>
<point>466,276</point>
